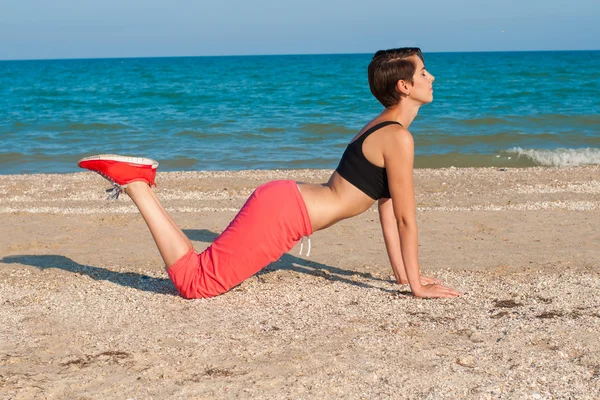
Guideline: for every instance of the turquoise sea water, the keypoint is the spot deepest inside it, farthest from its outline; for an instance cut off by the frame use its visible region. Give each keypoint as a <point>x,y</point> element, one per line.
<point>259,112</point>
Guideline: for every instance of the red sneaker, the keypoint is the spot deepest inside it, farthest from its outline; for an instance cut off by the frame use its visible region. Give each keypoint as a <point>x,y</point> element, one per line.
<point>121,170</point>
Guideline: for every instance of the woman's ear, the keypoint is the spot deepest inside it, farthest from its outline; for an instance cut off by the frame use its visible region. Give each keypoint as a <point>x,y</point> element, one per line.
<point>402,87</point>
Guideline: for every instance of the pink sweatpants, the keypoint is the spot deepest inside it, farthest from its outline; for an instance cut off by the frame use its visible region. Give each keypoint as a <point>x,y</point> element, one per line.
<point>269,224</point>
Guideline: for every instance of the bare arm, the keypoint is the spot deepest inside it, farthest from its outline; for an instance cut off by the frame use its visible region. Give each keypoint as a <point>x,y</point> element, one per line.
<point>389,227</point>
<point>391,237</point>
<point>399,158</point>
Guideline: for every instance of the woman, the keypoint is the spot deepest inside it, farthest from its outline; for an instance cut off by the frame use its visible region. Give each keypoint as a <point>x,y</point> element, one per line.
<point>376,166</point>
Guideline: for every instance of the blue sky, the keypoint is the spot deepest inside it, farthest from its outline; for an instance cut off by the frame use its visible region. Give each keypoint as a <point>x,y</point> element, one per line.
<point>33,29</point>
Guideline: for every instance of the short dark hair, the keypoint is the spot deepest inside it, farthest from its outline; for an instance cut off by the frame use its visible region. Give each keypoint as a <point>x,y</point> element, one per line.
<point>388,67</point>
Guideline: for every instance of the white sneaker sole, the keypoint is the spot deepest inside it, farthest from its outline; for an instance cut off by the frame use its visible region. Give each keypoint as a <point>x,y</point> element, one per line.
<point>126,159</point>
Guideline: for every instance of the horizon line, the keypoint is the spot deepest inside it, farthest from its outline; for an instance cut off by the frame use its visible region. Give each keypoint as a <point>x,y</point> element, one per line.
<point>283,55</point>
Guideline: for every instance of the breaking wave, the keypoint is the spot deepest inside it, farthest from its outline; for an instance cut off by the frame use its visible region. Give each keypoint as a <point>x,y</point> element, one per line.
<point>560,157</point>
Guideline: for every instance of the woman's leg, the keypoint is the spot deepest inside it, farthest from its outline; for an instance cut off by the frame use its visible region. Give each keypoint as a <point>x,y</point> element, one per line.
<point>172,243</point>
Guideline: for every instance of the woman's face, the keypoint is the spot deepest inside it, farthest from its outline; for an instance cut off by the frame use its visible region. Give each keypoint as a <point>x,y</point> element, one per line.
<point>422,88</point>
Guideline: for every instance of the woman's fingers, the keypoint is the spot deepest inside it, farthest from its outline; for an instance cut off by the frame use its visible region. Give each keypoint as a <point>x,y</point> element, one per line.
<point>449,291</point>
<point>437,291</point>
<point>427,280</point>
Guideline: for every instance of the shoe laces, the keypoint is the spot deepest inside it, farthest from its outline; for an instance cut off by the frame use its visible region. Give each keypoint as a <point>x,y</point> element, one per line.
<point>115,191</point>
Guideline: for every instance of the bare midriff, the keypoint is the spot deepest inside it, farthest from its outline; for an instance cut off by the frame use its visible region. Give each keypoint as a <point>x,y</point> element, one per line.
<point>333,201</point>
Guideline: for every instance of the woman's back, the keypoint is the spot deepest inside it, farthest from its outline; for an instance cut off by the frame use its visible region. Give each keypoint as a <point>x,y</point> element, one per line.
<point>339,199</point>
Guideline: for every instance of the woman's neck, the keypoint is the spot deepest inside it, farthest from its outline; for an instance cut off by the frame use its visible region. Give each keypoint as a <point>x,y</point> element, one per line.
<point>404,112</point>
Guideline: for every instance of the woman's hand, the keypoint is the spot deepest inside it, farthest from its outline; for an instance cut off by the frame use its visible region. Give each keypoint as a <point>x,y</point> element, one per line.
<point>425,280</point>
<point>436,291</point>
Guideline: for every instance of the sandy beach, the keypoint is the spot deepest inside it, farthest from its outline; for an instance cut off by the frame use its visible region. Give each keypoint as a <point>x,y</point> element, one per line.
<point>87,310</point>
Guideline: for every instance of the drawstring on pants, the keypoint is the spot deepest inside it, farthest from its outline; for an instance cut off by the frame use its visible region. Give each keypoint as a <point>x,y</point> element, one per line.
<point>302,245</point>
<point>303,237</point>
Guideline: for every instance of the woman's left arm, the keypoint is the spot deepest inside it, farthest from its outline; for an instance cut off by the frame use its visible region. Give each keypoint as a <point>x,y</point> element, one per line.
<point>391,237</point>
<point>398,154</point>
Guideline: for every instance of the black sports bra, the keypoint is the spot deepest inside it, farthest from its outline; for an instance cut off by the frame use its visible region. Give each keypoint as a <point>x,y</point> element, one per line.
<point>360,172</point>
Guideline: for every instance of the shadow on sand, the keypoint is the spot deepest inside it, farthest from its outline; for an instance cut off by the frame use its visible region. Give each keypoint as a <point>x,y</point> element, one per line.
<point>128,279</point>
<point>164,285</point>
<point>297,264</point>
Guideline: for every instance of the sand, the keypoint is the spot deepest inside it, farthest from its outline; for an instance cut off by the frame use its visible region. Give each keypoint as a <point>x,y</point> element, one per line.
<point>87,310</point>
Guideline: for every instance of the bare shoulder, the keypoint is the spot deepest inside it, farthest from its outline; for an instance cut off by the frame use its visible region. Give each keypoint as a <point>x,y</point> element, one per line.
<point>398,138</point>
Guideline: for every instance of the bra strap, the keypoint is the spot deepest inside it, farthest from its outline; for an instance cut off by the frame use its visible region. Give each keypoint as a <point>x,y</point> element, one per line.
<point>379,126</point>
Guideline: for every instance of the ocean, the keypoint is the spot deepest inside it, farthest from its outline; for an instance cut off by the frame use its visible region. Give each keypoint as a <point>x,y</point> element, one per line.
<point>513,109</point>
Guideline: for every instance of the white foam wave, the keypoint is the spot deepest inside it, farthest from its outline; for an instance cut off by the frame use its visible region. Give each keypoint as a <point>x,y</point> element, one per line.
<point>560,157</point>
